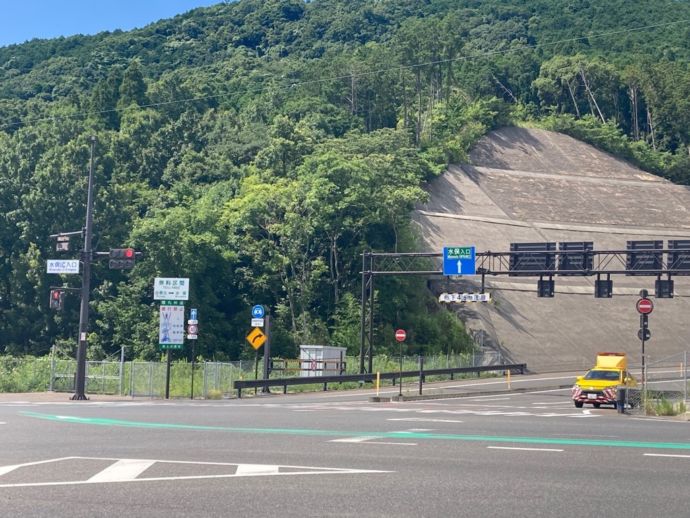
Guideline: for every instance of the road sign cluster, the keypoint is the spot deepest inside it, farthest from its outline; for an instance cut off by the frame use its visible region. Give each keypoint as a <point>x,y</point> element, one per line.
<point>644,307</point>
<point>256,336</point>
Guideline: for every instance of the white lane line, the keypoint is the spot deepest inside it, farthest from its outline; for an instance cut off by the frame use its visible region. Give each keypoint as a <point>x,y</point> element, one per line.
<point>424,420</point>
<point>522,449</point>
<point>365,440</point>
<point>328,471</point>
<point>3,422</point>
<point>658,420</point>
<point>256,469</point>
<point>122,470</point>
<point>666,455</point>
<point>7,469</point>
<point>355,439</point>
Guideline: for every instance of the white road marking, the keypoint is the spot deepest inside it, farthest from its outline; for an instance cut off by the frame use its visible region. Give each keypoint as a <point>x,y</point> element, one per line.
<point>7,469</point>
<point>256,469</point>
<point>521,449</point>
<point>3,422</point>
<point>365,440</point>
<point>667,455</point>
<point>393,443</point>
<point>424,420</point>
<point>656,420</point>
<point>355,439</point>
<point>493,398</point>
<point>238,470</point>
<point>122,470</point>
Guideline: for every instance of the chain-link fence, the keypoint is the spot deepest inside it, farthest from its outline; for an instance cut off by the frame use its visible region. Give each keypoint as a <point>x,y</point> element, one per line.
<point>211,379</point>
<point>148,379</point>
<point>663,389</point>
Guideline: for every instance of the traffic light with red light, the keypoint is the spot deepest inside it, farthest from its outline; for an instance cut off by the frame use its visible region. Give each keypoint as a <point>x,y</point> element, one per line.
<point>122,258</point>
<point>57,298</point>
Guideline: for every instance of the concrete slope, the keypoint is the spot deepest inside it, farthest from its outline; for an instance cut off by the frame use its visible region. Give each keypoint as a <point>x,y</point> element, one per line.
<point>528,185</point>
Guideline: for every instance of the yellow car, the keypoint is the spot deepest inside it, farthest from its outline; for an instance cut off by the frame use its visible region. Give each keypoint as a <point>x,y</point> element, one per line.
<point>600,384</point>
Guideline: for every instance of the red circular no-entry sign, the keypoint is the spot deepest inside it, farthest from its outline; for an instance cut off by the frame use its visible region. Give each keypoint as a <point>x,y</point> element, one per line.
<point>645,306</point>
<point>400,335</point>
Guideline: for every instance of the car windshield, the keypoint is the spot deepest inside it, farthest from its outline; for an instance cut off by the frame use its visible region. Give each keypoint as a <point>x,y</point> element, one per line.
<point>602,375</point>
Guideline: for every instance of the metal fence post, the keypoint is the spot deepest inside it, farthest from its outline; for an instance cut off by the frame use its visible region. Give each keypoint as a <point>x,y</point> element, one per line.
<point>151,379</point>
<point>685,375</point>
<point>52,368</point>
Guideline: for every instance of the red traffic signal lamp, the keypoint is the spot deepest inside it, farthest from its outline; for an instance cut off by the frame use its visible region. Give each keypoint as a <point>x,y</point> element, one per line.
<point>122,258</point>
<point>57,298</point>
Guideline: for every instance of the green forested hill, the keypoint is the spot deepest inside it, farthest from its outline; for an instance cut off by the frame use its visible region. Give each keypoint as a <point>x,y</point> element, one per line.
<point>259,146</point>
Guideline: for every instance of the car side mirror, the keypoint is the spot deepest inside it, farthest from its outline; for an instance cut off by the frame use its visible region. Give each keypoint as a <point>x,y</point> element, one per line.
<point>579,378</point>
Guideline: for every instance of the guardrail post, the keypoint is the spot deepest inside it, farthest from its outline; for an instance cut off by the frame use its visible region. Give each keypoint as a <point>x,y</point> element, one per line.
<point>421,373</point>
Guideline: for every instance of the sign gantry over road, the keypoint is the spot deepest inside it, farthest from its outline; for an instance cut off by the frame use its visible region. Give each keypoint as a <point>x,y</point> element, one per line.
<point>645,306</point>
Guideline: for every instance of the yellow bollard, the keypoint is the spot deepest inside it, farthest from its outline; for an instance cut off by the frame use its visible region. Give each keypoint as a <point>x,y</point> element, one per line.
<point>508,378</point>
<point>378,382</point>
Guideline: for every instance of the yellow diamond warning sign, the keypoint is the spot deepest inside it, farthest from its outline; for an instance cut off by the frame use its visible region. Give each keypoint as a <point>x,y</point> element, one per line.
<point>256,338</point>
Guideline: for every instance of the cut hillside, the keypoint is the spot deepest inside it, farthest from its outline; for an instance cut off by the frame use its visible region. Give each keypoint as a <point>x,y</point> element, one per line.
<point>529,185</point>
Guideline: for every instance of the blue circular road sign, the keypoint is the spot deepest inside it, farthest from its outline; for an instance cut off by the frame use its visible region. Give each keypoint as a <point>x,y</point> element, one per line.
<point>258,311</point>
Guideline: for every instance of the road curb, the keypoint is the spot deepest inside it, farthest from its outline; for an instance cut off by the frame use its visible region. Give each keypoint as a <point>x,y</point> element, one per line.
<point>451,395</point>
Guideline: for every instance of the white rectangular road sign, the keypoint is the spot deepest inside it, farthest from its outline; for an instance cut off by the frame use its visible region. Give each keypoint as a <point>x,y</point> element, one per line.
<point>169,288</point>
<point>257,322</point>
<point>63,265</point>
<point>171,330</point>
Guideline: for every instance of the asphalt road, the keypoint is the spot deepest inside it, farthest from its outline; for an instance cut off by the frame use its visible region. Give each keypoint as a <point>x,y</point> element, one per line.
<point>338,454</point>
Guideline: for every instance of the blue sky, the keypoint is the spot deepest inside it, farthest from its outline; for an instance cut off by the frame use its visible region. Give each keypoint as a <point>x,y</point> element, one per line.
<point>22,20</point>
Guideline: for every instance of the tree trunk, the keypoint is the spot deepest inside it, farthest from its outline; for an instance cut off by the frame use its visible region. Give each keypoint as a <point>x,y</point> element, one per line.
<point>632,92</point>
<point>650,122</point>
<point>591,95</point>
<point>572,96</point>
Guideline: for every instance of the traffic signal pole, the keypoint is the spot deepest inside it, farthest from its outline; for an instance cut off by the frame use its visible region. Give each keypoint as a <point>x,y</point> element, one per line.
<point>86,256</point>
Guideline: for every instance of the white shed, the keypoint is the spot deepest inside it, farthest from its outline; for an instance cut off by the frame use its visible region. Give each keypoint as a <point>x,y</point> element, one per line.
<point>321,360</point>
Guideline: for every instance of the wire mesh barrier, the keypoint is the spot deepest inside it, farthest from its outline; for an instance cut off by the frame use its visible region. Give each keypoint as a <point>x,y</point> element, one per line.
<point>148,379</point>
<point>211,379</point>
<point>666,385</point>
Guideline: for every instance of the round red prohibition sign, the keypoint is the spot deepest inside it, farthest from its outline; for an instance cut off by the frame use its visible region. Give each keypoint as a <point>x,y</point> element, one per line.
<point>400,335</point>
<point>645,306</point>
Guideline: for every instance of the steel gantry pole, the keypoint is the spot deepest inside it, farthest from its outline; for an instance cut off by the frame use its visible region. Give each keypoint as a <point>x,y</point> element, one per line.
<point>80,379</point>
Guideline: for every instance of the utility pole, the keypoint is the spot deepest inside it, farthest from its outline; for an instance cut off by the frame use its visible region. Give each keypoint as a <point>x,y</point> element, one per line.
<point>86,257</point>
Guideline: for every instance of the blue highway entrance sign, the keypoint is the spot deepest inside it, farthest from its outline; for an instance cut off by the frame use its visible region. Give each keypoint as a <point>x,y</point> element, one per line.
<point>459,260</point>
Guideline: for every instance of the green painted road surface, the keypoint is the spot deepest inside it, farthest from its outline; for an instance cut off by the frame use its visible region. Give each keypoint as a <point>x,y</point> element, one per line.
<point>378,435</point>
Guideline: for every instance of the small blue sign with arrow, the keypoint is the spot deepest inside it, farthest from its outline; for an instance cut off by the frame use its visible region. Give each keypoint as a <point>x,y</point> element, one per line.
<point>459,260</point>
<point>258,311</point>
<point>193,314</point>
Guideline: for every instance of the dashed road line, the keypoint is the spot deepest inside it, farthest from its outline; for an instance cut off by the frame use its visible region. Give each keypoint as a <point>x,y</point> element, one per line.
<point>667,455</point>
<point>522,449</point>
<point>424,420</point>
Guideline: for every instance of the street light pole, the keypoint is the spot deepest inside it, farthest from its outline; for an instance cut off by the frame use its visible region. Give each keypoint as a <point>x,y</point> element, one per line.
<point>80,380</point>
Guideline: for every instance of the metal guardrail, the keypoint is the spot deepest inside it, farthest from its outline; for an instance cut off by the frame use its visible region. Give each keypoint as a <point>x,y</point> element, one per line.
<point>369,377</point>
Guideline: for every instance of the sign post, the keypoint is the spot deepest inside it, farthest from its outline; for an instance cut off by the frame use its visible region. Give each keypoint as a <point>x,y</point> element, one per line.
<point>644,307</point>
<point>400,336</point>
